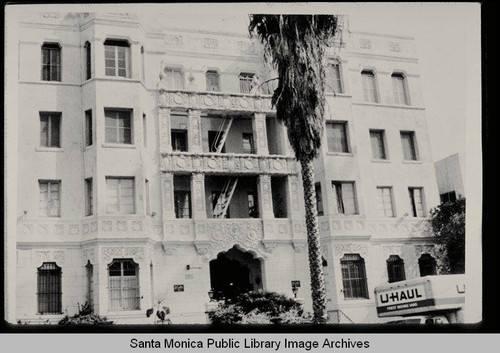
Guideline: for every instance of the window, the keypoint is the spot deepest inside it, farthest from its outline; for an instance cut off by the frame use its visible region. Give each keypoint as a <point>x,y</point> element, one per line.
<point>253,211</point>
<point>148,197</point>
<point>214,138</point>
<point>427,265</point>
<point>88,61</point>
<point>395,269</point>
<point>448,197</point>
<point>49,288</point>
<point>50,198</point>
<point>118,126</point>
<point>319,199</point>
<point>144,130</point>
<point>409,149</point>
<point>378,144</point>
<point>345,197</point>
<point>354,277</point>
<point>50,129</point>
<point>336,134</point>
<point>416,202</point>
<point>179,140</point>
<point>90,283</point>
<point>182,201</point>
<point>88,197</point>
<point>120,195</point>
<point>246,82</point>
<point>212,81</point>
<point>385,208</point>
<point>174,78</point>
<point>369,86</point>
<point>88,128</point>
<point>51,62</point>
<point>248,143</point>
<point>117,58</point>
<point>400,90</point>
<point>333,79</point>
<point>143,65</point>
<point>123,285</point>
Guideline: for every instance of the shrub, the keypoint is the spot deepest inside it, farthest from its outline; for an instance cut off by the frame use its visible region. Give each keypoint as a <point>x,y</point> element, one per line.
<point>85,316</point>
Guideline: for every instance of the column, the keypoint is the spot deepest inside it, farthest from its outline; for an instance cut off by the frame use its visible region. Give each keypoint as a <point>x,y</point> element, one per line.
<point>199,210</point>
<point>165,134</point>
<point>167,196</point>
<point>260,134</point>
<point>265,197</point>
<point>194,131</point>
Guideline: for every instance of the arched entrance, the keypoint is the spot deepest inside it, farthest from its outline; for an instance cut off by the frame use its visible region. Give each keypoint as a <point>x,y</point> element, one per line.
<point>234,272</point>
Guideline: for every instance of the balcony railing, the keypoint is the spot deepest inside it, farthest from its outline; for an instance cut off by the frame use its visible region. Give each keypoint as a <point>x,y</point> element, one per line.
<point>228,163</point>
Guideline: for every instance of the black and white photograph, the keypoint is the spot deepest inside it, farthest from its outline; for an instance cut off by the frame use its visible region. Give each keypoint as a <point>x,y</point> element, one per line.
<point>240,166</point>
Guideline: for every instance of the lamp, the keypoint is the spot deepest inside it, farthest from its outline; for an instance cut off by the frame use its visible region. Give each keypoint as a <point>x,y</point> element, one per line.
<point>211,294</point>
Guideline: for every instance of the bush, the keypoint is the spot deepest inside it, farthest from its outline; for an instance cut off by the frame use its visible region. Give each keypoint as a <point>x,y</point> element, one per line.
<point>85,316</point>
<point>259,308</point>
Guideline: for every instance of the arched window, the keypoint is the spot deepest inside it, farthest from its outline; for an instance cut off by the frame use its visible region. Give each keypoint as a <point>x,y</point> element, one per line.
<point>49,288</point>
<point>427,265</point>
<point>395,269</point>
<point>354,277</point>
<point>400,89</point>
<point>212,77</point>
<point>88,61</point>
<point>369,86</point>
<point>51,62</point>
<point>123,285</point>
<point>117,57</point>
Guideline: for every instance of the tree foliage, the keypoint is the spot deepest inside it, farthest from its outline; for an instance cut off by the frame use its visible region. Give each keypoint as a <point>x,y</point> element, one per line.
<point>448,225</point>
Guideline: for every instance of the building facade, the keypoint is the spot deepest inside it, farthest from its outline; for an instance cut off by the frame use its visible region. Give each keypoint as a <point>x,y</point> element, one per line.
<point>151,166</point>
<point>450,174</point>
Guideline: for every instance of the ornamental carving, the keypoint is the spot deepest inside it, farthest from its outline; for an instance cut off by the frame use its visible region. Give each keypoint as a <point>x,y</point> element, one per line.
<point>210,43</point>
<point>342,249</point>
<point>222,236</point>
<point>110,253</point>
<point>389,250</point>
<point>88,255</point>
<point>43,228</point>
<point>425,249</point>
<point>395,46</point>
<point>365,43</point>
<point>173,40</point>
<point>299,245</point>
<point>59,229</point>
<point>27,228</point>
<point>41,256</point>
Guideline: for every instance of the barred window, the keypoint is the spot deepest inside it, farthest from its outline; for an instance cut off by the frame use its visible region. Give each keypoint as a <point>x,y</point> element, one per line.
<point>49,289</point>
<point>395,269</point>
<point>51,62</point>
<point>117,58</point>
<point>354,277</point>
<point>123,285</point>
<point>246,82</point>
<point>427,265</point>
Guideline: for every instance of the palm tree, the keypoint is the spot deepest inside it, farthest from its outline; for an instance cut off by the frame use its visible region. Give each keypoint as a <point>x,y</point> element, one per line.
<point>295,45</point>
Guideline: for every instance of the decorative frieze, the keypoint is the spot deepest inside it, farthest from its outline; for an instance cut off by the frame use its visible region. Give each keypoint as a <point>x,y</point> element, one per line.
<point>395,46</point>
<point>389,250</point>
<point>365,43</point>
<point>165,130</point>
<point>88,255</point>
<point>198,195</point>
<point>425,249</point>
<point>194,131</point>
<point>173,40</point>
<point>228,163</point>
<point>210,43</point>
<point>180,99</point>
<point>113,252</point>
<point>41,256</point>
<point>351,248</point>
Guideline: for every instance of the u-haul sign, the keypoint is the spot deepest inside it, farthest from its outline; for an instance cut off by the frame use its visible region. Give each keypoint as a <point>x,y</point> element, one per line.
<point>410,297</point>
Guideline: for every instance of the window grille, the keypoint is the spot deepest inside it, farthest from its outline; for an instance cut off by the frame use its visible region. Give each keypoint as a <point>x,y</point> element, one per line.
<point>51,62</point>
<point>49,288</point>
<point>395,269</point>
<point>354,277</point>
<point>246,82</point>
<point>123,285</point>
<point>427,265</point>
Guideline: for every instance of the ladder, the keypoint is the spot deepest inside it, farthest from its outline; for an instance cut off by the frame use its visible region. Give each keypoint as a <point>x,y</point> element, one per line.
<point>224,198</point>
<point>221,136</point>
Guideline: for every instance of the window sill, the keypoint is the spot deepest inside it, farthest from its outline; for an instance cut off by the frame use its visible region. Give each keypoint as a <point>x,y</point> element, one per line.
<point>412,162</point>
<point>118,145</point>
<point>343,95</point>
<point>340,154</point>
<point>381,161</point>
<point>49,149</point>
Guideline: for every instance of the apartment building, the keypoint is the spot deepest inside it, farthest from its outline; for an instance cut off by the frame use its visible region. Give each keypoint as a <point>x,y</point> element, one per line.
<point>151,166</point>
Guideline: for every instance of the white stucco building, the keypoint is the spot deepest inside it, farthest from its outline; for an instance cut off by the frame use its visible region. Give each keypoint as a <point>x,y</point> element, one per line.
<point>123,132</point>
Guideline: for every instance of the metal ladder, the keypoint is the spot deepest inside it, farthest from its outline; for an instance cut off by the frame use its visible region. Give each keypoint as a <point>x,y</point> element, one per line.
<point>224,198</point>
<point>221,136</point>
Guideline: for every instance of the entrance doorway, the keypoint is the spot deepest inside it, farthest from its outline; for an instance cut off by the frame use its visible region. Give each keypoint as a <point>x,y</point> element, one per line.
<point>235,272</point>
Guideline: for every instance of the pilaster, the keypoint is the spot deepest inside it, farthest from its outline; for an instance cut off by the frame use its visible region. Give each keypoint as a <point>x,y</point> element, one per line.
<point>199,210</point>
<point>167,195</point>
<point>265,197</point>
<point>194,131</point>
<point>165,126</point>
<point>260,134</point>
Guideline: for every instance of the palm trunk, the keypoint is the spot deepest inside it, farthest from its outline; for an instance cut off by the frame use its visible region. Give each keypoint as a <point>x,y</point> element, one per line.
<point>315,262</point>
